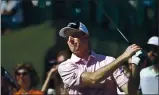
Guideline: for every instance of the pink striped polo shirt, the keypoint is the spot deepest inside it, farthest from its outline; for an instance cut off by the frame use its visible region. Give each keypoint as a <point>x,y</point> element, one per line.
<point>71,70</point>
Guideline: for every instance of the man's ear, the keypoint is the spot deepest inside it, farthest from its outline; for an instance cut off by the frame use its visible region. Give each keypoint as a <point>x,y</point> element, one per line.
<point>68,39</point>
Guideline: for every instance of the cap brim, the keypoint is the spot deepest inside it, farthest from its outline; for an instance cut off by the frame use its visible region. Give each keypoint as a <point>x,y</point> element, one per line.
<point>67,31</point>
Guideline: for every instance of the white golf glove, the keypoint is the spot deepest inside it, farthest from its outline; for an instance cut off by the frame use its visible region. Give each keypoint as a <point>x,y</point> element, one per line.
<point>138,53</point>
<point>135,58</point>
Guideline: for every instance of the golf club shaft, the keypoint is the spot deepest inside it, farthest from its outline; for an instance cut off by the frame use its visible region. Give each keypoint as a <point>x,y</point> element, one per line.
<point>105,13</point>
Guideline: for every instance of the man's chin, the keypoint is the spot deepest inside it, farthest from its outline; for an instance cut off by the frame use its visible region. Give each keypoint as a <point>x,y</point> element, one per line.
<point>22,83</point>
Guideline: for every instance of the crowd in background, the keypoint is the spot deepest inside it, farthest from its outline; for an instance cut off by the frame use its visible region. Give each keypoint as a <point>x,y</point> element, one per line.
<point>16,14</point>
<point>21,13</point>
<point>26,77</point>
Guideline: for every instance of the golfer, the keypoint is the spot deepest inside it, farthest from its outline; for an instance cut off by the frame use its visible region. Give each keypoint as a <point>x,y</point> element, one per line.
<point>88,73</point>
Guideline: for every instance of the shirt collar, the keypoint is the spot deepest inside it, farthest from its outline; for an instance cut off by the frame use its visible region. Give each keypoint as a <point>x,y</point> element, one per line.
<point>77,59</point>
<point>153,70</point>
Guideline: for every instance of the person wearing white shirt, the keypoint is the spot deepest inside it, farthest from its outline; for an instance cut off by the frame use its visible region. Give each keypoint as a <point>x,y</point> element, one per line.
<point>149,76</point>
<point>149,80</point>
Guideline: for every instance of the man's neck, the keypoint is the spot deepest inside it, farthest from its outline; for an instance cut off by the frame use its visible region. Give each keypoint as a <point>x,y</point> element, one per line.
<point>156,68</point>
<point>83,55</point>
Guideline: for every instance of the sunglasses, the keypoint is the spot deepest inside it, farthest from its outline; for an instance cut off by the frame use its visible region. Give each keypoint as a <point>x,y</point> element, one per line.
<point>21,73</point>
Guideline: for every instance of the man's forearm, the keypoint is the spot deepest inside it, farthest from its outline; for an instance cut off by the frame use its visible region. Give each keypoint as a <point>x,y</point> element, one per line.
<point>106,71</point>
<point>135,78</point>
<point>89,78</point>
<point>45,86</point>
<point>133,84</point>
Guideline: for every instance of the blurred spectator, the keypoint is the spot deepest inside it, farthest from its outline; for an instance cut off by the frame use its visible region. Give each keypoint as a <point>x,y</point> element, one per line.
<point>63,56</point>
<point>11,15</point>
<point>151,49</point>
<point>35,2</point>
<point>27,79</point>
<point>8,86</point>
<point>149,63</point>
<point>149,79</point>
<point>54,77</point>
<point>52,53</point>
<point>31,12</point>
<point>150,17</point>
<point>53,82</point>
<point>50,75</point>
<point>149,76</point>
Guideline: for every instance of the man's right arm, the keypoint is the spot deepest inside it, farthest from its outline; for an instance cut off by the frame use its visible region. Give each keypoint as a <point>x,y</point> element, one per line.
<point>92,78</point>
<point>73,76</point>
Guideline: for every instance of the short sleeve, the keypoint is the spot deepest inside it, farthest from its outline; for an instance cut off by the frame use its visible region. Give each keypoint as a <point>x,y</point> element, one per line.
<point>120,77</point>
<point>70,74</point>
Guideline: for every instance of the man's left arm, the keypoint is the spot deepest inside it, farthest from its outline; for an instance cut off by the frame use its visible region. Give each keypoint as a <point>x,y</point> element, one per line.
<point>127,82</point>
<point>132,86</point>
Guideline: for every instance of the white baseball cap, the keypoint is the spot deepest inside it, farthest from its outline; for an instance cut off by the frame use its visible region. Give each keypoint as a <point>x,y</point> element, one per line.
<point>153,41</point>
<point>65,32</point>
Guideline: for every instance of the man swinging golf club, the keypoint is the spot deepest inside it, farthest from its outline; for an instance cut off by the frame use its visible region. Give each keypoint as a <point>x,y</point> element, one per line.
<point>88,73</point>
